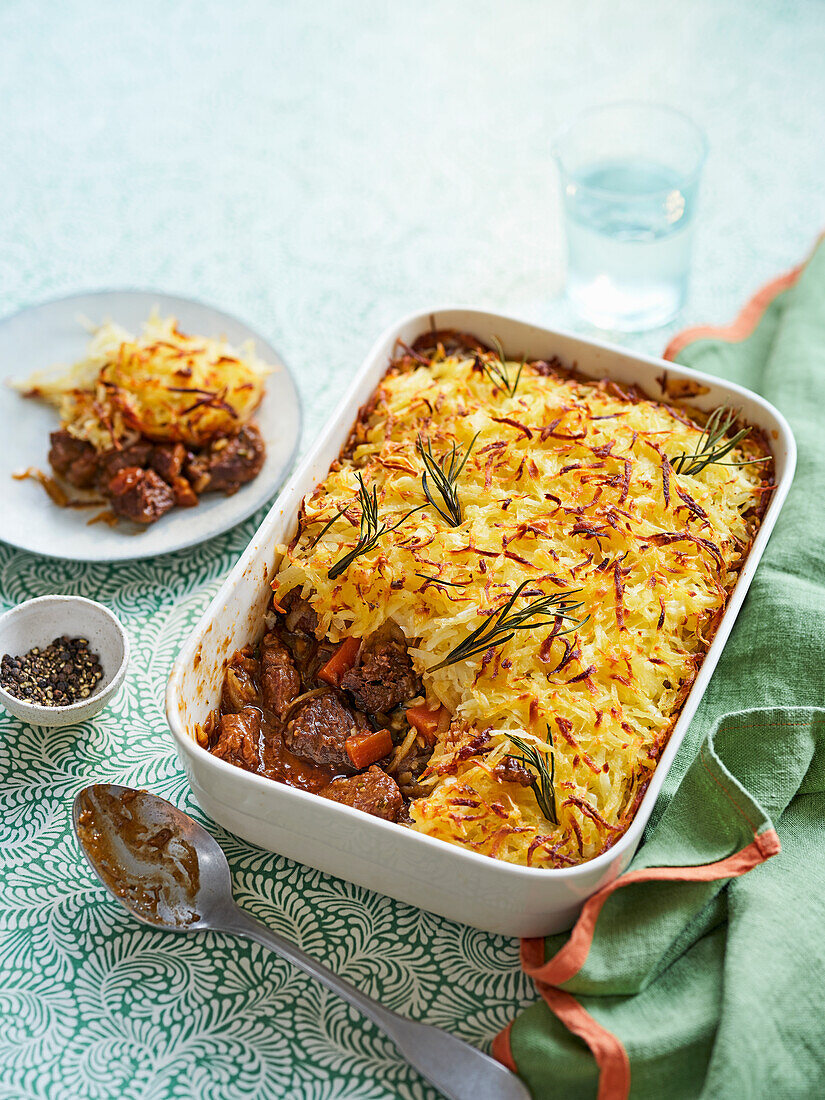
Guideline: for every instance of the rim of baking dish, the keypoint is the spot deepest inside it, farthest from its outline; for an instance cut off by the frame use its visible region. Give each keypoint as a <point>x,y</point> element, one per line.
<point>603,860</point>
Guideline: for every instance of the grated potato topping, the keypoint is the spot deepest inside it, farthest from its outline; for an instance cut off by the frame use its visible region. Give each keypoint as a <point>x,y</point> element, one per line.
<point>162,385</point>
<point>567,486</point>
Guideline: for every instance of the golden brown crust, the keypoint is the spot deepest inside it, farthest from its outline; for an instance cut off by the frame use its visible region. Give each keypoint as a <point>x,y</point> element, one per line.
<point>682,539</point>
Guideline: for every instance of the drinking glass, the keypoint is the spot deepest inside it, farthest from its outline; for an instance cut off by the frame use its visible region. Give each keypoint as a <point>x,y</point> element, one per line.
<point>630,179</point>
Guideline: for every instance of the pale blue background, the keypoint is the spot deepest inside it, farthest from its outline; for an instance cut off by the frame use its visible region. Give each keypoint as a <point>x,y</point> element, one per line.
<point>321,168</point>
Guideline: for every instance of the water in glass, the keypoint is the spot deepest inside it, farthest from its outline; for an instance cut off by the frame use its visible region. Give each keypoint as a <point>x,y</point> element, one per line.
<point>629,237</point>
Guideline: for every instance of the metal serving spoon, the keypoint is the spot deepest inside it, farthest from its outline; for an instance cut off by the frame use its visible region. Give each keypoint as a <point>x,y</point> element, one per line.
<point>170,873</point>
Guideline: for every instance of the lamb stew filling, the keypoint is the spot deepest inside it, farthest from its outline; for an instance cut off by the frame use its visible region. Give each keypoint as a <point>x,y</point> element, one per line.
<point>324,717</point>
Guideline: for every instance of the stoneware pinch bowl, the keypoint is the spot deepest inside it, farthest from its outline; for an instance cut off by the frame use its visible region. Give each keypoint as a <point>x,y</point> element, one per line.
<point>37,623</point>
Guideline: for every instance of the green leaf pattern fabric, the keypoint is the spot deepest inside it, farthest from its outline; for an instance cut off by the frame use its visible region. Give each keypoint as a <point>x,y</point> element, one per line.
<point>94,1006</point>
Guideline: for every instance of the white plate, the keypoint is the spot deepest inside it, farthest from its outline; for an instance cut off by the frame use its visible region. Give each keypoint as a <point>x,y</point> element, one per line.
<point>423,870</point>
<point>51,333</point>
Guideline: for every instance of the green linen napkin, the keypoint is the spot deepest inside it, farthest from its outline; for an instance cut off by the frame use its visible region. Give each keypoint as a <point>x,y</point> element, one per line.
<point>704,981</point>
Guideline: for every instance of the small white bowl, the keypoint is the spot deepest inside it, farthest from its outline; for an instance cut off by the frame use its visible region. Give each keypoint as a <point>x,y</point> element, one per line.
<point>37,623</point>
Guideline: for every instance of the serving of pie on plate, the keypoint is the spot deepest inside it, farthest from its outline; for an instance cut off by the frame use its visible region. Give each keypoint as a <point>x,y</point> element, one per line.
<point>166,418</point>
<point>149,422</point>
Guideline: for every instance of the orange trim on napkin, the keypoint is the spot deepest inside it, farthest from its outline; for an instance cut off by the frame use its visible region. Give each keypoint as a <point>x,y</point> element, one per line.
<point>502,1051</point>
<point>608,1050</point>
<point>571,958</point>
<point>747,320</point>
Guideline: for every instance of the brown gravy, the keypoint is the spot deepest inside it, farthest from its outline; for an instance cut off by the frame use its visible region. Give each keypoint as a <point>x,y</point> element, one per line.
<point>141,854</point>
<point>280,764</point>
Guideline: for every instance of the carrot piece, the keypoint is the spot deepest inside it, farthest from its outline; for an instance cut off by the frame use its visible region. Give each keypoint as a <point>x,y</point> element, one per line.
<point>340,662</point>
<point>365,748</point>
<point>426,721</point>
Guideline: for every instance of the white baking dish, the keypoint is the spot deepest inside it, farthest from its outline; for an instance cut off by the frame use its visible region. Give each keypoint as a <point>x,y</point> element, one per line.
<point>461,885</point>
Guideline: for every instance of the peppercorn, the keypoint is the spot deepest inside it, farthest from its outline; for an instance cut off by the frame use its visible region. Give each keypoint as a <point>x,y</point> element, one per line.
<point>64,672</point>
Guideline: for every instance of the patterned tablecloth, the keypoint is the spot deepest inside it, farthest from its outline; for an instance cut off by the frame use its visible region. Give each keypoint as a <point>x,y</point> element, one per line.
<point>94,1005</point>
<point>320,169</point>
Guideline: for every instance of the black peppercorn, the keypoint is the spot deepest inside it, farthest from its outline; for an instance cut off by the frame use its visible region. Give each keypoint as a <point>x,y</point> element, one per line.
<point>62,673</point>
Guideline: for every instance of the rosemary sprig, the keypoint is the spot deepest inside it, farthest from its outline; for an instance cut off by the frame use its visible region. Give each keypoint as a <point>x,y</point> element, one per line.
<point>498,370</point>
<point>444,473</point>
<point>370,529</point>
<point>712,446</point>
<point>325,528</point>
<point>502,625</point>
<point>542,783</point>
<point>438,580</point>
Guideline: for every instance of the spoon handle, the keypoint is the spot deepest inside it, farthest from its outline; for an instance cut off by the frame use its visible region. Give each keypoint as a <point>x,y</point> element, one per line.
<point>458,1070</point>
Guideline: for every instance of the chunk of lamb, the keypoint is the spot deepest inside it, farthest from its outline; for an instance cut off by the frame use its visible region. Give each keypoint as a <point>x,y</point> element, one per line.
<point>384,678</point>
<point>185,495</point>
<point>112,462</point>
<point>240,685</point>
<point>167,460</point>
<point>372,791</point>
<point>73,459</point>
<point>280,679</point>
<point>139,495</point>
<point>299,614</point>
<point>319,731</point>
<point>228,464</point>
<point>239,739</point>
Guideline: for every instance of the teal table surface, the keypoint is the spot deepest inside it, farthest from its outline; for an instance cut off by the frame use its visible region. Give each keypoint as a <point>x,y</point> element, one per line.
<point>318,169</point>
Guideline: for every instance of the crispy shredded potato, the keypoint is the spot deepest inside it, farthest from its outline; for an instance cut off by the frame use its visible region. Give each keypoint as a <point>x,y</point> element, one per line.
<point>568,486</point>
<point>162,385</point>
